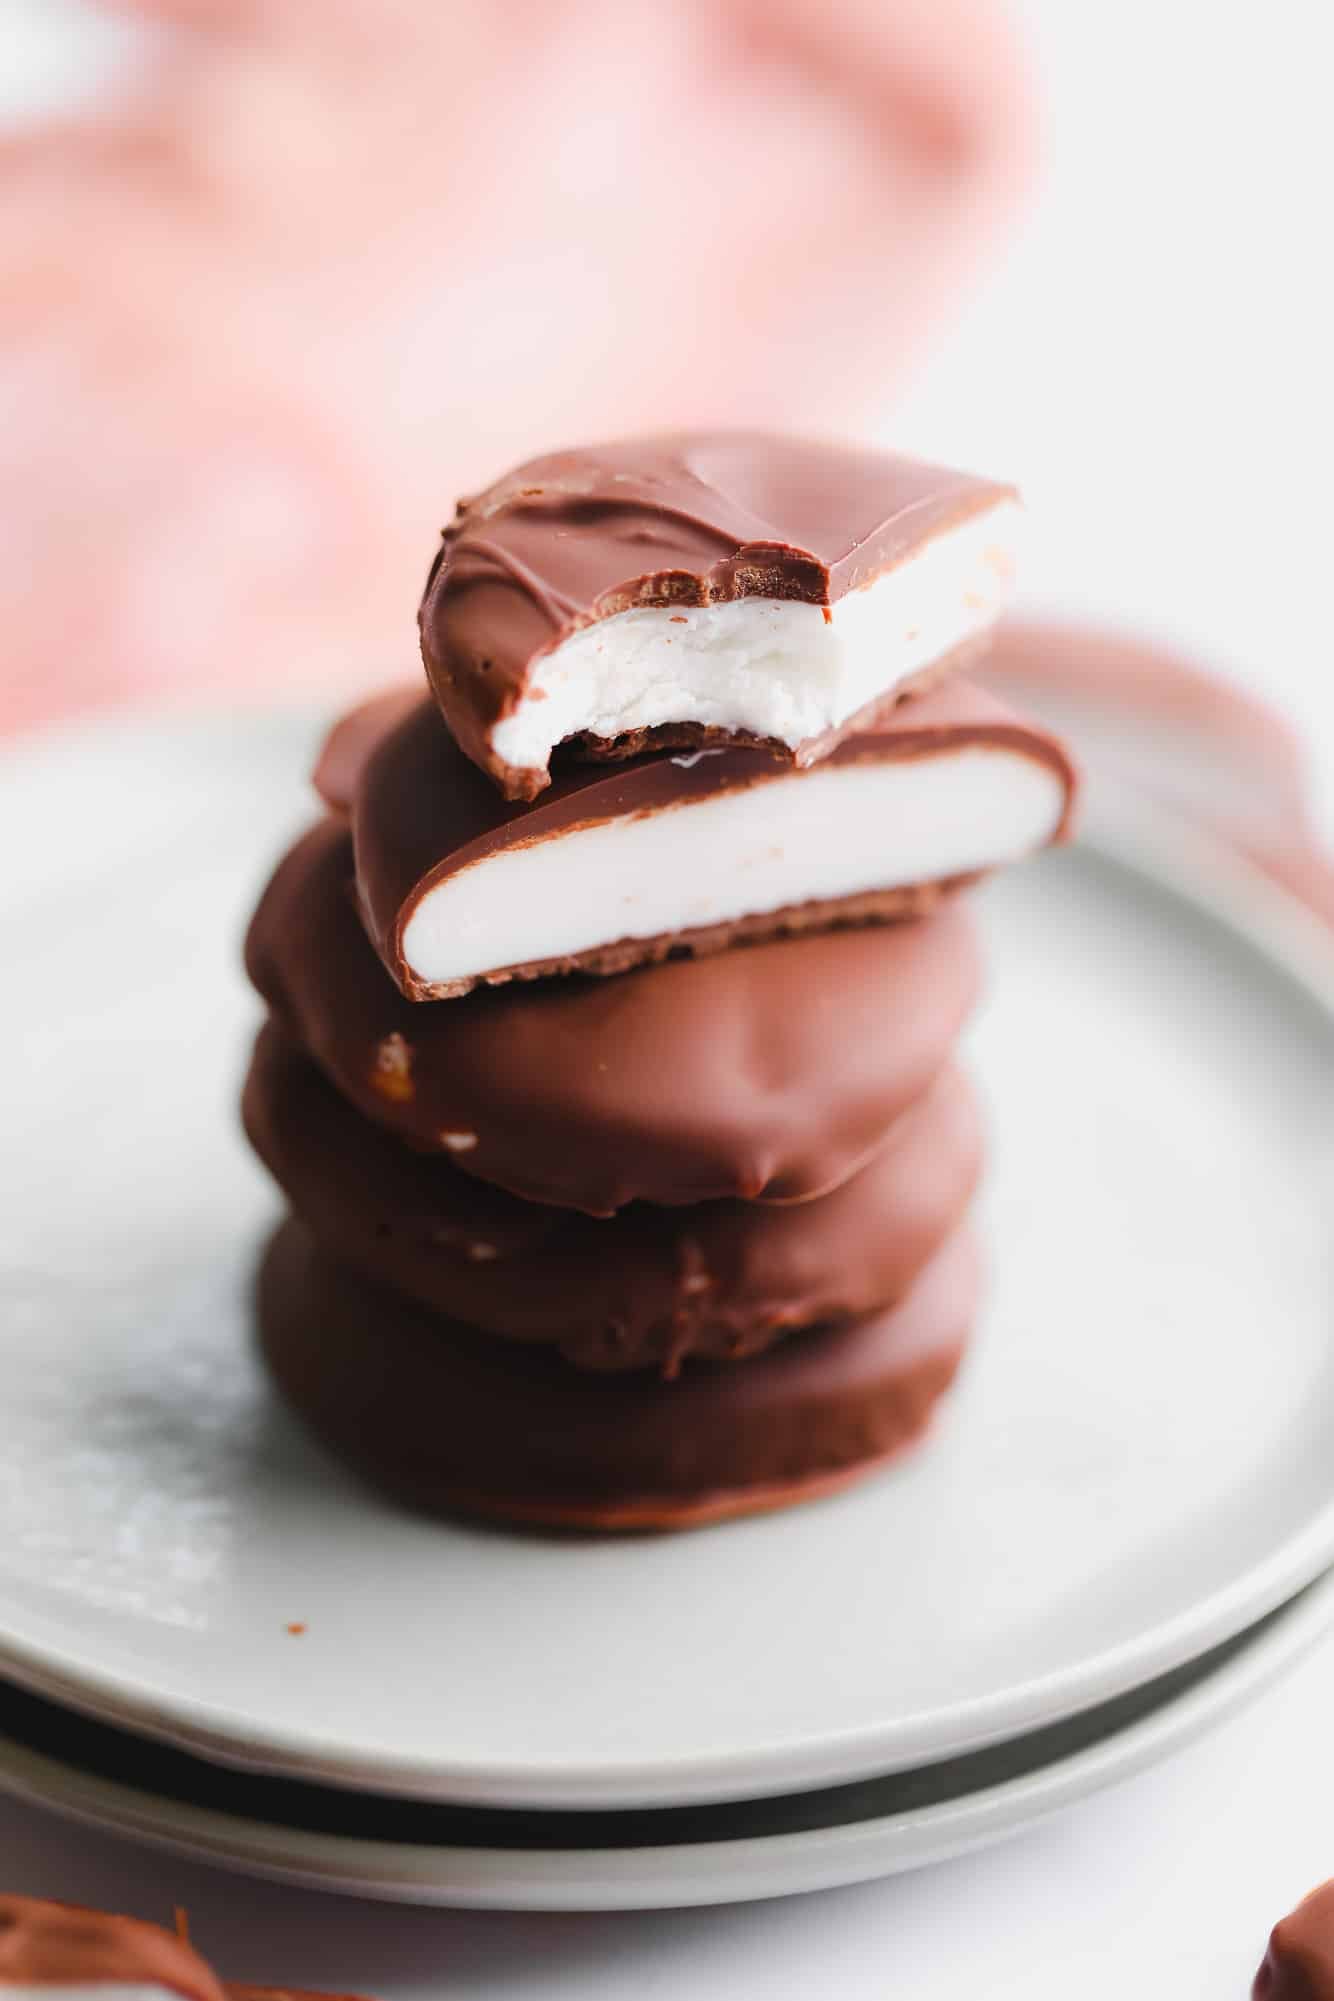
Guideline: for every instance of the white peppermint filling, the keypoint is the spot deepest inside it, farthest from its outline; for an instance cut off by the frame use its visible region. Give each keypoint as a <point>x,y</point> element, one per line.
<point>766,665</point>
<point>838,830</point>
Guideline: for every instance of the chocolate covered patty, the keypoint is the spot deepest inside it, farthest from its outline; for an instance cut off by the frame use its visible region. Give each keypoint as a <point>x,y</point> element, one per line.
<point>702,588</point>
<point>49,1945</point>
<point>771,1073</point>
<point>451,1422</point>
<point>645,1288</point>
<point>1189,740</point>
<point>1161,724</point>
<point>1299,1965</point>
<point>63,1949</point>
<point>622,865</point>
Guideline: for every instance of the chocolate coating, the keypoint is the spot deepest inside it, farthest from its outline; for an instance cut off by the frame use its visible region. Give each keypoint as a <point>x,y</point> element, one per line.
<point>770,1074</point>
<point>1154,722</point>
<point>351,740</point>
<point>45,1944</point>
<point>421,813</point>
<point>692,519</point>
<point>1161,723</point>
<point>452,1423</point>
<point>645,1288</point>
<point>64,1945</point>
<point>1299,1965</point>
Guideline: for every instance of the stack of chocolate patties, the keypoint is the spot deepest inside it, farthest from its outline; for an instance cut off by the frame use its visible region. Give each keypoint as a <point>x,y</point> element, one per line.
<point>616,1104</point>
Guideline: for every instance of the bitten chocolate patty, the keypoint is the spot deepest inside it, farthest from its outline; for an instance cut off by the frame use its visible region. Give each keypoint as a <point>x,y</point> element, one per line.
<point>770,1073</point>
<point>645,1288</point>
<point>704,588</point>
<point>450,1422</point>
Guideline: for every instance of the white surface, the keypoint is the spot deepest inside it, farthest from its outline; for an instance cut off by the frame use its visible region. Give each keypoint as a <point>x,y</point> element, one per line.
<point>762,664</point>
<point>703,1871</point>
<point>1065,1535</point>
<point>838,830</point>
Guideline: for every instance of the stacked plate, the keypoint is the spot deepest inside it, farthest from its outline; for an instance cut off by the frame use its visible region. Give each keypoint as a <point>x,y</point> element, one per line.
<point>213,1639</point>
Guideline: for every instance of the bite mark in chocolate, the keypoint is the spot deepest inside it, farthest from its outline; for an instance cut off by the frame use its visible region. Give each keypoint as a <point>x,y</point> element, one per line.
<point>655,591</point>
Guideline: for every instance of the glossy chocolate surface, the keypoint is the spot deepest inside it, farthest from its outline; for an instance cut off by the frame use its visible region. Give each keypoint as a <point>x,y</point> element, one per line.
<point>449,1422</point>
<point>421,812</point>
<point>646,1288</point>
<point>683,520</point>
<point>1299,1965</point>
<point>769,1073</point>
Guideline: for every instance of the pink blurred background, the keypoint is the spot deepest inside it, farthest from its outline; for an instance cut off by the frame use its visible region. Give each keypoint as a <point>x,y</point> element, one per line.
<point>279,278</point>
<point>300,271</point>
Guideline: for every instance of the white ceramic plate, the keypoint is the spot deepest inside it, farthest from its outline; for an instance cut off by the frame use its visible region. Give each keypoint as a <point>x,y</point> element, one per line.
<point>1139,1463</point>
<point>486,1858</point>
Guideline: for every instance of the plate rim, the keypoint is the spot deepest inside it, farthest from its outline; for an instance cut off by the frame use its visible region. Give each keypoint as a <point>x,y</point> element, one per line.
<point>1269,925</point>
<point>686,1875</point>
